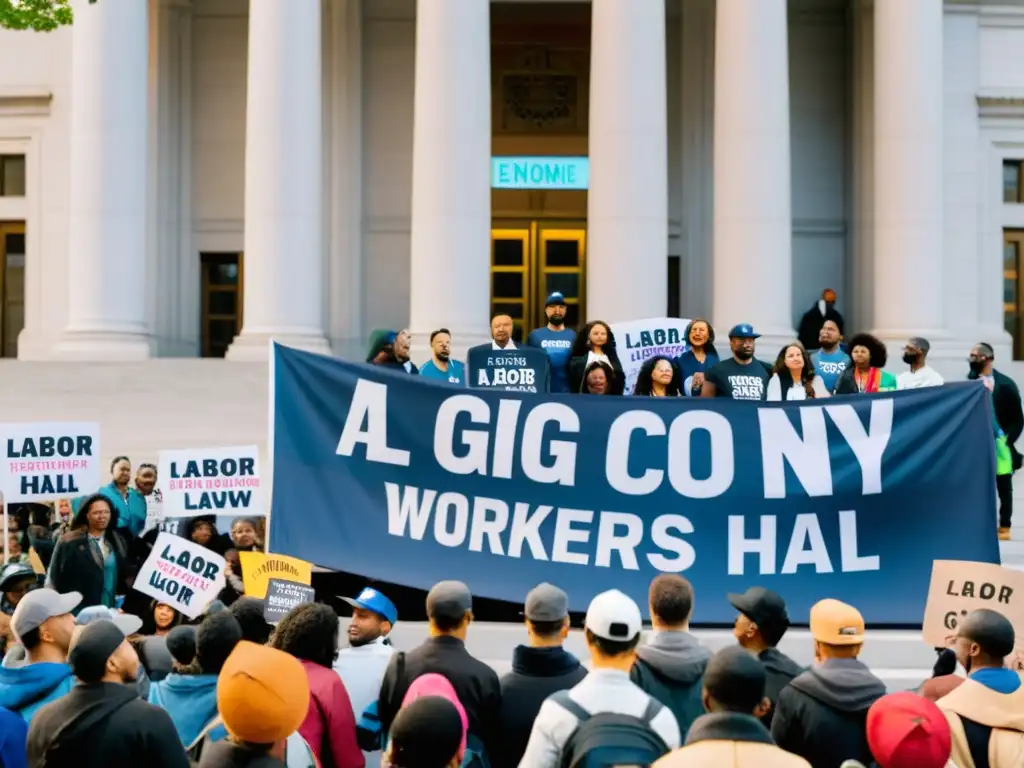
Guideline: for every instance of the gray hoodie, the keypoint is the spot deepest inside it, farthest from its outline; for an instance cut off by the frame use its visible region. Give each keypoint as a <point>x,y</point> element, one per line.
<point>670,667</point>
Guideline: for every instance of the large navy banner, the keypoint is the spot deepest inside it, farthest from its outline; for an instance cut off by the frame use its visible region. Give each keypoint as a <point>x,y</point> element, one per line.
<point>410,482</point>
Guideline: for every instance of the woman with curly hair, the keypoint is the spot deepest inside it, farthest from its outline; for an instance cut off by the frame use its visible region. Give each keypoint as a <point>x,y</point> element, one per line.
<point>700,356</point>
<point>794,377</point>
<point>597,379</point>
<point>866,375</point>
<point>310,634</point>
<point>658,377</point>
<point>595,343</point>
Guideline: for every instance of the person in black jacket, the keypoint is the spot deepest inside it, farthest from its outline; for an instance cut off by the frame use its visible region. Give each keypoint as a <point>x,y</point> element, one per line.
<point>102,722</point>
<point>762,622</point>
<point>821,716</point>
<point>538,670</point>
<point>595,343</point>
<point>1009,415</point>
<point>810,324</point>
<point>91,558</point>
<point>450,611</point>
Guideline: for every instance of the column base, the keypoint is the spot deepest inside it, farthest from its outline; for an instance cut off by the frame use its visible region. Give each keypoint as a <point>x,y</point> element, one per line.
<point>103,346</point>
<point>255,347</point>
<point>773,339</point>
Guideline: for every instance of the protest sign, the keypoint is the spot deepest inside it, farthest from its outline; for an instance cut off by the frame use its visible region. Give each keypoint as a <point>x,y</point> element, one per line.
<point>526,369</point>
<point>282,596</point>
<point>259,568</point>
<point>502,489</point>
<point>181,574</point>
<point>154,510</point>
<point>640,340</point>
<point>211,481</point>
<point>959,587</point>
<point>49,460</point>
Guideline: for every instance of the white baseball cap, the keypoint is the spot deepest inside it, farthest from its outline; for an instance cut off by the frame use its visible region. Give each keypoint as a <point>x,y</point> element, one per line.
<point>613,615</point>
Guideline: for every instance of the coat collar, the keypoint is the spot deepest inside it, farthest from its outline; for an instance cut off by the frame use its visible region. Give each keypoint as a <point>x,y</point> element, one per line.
<point>728,726</point>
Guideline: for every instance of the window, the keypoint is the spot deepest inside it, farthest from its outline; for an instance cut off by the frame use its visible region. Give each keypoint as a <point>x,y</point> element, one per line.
<point>221,301</point>
<point>1013,181</point>
<point>1013,307</point>
<point>12,175</point>
<point>12,286</point>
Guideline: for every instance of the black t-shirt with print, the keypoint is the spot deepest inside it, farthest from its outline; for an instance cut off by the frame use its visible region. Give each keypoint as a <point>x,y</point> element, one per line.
<point>740,382</point>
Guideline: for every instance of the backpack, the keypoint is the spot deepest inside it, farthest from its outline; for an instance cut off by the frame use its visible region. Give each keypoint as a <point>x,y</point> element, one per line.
<point>606,740</point>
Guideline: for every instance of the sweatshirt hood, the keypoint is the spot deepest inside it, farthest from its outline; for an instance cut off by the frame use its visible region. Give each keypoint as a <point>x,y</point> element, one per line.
<point>543,662</point>
<point>675,655</point>
<point>775,661</point>
<point>190,700</point>
<point>225,754</point>
<point>87,707</point>
<point>843,684</point>
<point>977,701</point>
<point>23,686</point>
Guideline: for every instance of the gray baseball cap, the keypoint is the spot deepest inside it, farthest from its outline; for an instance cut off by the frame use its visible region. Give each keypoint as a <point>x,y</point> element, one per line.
<point>38,606</point>
<point>546,602</point>
<point>128,623</point>
<point>449,599</point>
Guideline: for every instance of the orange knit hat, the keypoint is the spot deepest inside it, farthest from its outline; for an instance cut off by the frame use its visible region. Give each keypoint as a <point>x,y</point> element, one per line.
<point>262,694</point>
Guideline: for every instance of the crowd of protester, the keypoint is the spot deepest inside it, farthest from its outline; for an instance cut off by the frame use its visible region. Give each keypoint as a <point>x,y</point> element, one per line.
<point>97,688</point>
<point>821,363</point>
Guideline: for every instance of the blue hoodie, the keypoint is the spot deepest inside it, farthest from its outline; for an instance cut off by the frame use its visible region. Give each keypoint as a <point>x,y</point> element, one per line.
<point>190,700</point>
<point>13,733</point>
<point>27,689</point>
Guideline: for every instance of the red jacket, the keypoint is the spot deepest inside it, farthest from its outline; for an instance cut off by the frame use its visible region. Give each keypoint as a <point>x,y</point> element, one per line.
<point>330,726</point>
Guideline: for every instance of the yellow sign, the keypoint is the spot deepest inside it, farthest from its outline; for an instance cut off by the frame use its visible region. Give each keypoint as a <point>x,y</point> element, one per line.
<point>259,568</point>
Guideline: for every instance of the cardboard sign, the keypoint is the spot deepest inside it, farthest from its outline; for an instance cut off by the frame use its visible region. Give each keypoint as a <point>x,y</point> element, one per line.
<point>640,340</point>
<point>526,369</point>
<point>49,460</point>
<point>959,587</point>
<point>282,596</point>
<point>259,568</point>
<point>181,574</point>
<point>211,481</point>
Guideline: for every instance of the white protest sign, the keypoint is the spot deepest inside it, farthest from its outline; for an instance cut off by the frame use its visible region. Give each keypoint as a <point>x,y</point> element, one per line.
<point>49,460</point>
<point>181,574</point>
<point>640,340</point>
<point>154,510</point>
<point>211,481</point>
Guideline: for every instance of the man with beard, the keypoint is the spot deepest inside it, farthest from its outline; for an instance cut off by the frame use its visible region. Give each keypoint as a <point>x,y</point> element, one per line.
<point>915,354</point>
<point>102,721</point>
<point>831,360</point>
<point>361,666</point>
<point>440,366</point>
<point>556,340</point>
<point>741,377</point>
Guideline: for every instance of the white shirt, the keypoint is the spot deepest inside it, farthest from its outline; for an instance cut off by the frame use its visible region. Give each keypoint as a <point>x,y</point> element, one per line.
<point>925,376</point>
<point>594,357</point>
<point>796,391</point>
<point>602,690</point>
<point>511,345</point>
<point>362,670</point>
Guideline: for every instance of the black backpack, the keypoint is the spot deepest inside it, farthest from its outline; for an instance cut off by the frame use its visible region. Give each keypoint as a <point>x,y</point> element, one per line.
<point>606,740</point>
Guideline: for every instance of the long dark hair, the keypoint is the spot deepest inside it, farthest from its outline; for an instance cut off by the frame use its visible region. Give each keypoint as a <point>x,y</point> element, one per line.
<point>609,374</point>
<point>644,381</point>
<point>581,346</point>
<point>80,520</point>
<point>807,374</point>
<point>709,345</point>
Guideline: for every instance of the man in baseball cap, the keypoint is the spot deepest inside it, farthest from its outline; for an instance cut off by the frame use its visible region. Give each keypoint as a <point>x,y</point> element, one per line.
<point>102,721</point>
<point>760,625</point>
<point>538,669</point>
<point>612,628</point>
<point>42,623</point>
<point>908,731</point>
<point>742,376</point>
<point>820,715</point>
<point>361,666</point>
<point>555,339</point>
<point>450,611</point>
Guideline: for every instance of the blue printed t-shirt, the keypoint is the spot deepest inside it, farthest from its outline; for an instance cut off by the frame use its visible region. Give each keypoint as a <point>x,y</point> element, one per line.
<point>558,345</point>
<point>830,366</point>
<point>456,373</point>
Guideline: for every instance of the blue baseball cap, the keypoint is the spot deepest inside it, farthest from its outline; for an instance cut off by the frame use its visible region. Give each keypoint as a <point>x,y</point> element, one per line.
<point>743,331</point>
<point>555,299</point>
<point>372,600</point>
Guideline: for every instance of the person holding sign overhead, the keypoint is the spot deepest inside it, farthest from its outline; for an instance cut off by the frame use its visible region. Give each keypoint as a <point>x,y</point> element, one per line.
<point>91,557</point>
<point>129,505</point>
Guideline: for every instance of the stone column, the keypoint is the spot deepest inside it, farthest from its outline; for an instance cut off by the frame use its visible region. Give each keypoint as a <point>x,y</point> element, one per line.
<point>109,162</point>
<point>451,188</point>
<point>284,223</point>
<point>627,205</point>
<point>908,242</point>
<point>753,209</point>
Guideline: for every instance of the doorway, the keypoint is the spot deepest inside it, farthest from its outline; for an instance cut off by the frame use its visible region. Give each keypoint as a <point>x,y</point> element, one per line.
<point>12,286</point>
<point>221,317</point>
<point>531,260</point>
